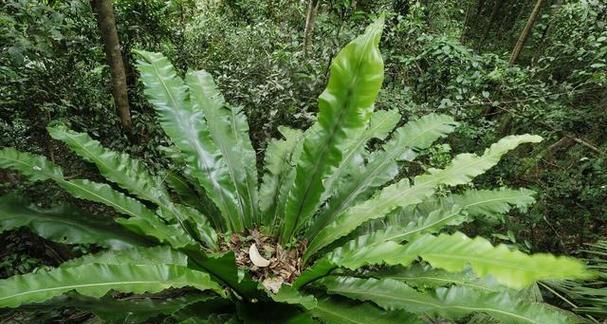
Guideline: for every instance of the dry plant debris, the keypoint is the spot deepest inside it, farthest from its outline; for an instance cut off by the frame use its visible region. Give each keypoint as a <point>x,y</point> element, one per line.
<point>268,262</point>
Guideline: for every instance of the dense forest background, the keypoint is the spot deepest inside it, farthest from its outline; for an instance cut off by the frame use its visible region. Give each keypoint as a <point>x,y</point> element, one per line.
<point>271,57</point>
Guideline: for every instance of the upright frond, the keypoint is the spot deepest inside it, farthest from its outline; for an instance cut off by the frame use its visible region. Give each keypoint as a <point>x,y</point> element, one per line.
<point>277,165</point>
<point>344,111</point>
<point>189,131</point>
<point>229,130</point>
<point>382,167</point>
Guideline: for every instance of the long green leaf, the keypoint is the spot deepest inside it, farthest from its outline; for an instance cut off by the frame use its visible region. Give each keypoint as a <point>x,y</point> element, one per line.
<point>455,252</point>
<point>319,269</point>
<point>344,110</point>
<point>104,194</point>
<point>489,204</point>
<point>120,168</point>
<point>332,310</point>
<point>65,225</point>
<point>288,180</point>
<point>96,280</point>
<point>277,166</point>
<point>462,169</point>
<point>230,131</point>
<point>35,167</point>
<point>134,256</point>
<point>406,141</point>
<point>430,217</point>
<point>129,310</point>
<point>434,214</point>
<point>142,220</point>
<point>452,302</point>
<point>382,122</point>
<point>188,130</point>
<point>425,277</point>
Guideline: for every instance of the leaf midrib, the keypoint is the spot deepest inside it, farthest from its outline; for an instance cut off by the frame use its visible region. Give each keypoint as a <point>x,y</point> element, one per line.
<point>427,303</point>
<point>113,283</point>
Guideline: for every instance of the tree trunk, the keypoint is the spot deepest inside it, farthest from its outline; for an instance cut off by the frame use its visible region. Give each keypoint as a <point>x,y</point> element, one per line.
<point>492,19</point>
<point>516,52</point>
<point>107,25</point>
<point>310,22</point>
<point>462,37</point>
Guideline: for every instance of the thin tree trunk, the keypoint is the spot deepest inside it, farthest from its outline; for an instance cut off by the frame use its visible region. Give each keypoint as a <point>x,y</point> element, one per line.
<point>516,52</point>
<point>494,13</point>
<point>310,22</point>
<point>107,25</point>
<point>462,37</point>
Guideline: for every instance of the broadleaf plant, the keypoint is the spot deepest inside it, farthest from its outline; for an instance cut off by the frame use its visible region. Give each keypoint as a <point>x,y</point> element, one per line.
<point>331,234</point>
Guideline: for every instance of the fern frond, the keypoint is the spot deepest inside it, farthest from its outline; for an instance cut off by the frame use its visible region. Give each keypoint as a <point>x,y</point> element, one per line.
<point>289,295</point>
<point>344,111</point>
<point>277,165</point>
<point>189,132</point>
<point>142,220</point>
<point>135,256</point>
<point>455,252</point>
<point>382,122</point>
<point>229,130</point>
<point>461,170</point>
<point>451,303</point>
<point>423,276</point>
<point>95,280</point>
<point>65,224</point>
<point>382,167</point>
<point>35,167</point>
<point>132,309</point>
<point>120,168</point>
<point>338,311</point>
<point>434,214</point>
